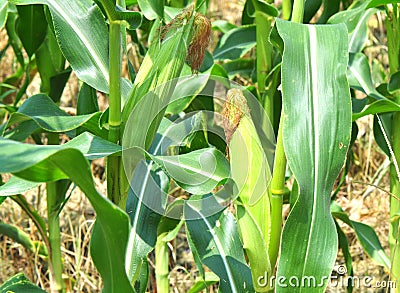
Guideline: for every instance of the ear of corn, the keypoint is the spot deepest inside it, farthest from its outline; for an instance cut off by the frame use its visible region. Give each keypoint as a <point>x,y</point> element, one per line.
<point>185,38</point>
<point>158,75</point>
<point>250,171</point>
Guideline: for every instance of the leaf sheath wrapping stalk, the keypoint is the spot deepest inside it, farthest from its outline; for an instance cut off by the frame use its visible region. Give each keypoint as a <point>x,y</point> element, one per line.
<point>316,134</point>
<point>250,171</point>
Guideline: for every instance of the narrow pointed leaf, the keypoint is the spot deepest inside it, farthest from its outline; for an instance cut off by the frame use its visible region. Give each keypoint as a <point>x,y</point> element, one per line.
<point>200,284</point>
<point>255,246</point>
<point>145,206</point>
<point>31,27</point>
<point>217,242</point>
<point>235,43</point>
<point>198,172</point>
<point>3,12</point>
<point>91,146</point>
<point>110,233</point>
<point>316,140</point>
<point>20,283</point>
<point>376,3</point>
<point>22,238</point>
<point>378,107</point>
<point>366,235</point>
<point>355,18</point>
<point>359,75</point>
<point>83,37</point>
<point>146,201</point>
<point>152,9</point>
<point>16,185</point>
<point>40,112</point>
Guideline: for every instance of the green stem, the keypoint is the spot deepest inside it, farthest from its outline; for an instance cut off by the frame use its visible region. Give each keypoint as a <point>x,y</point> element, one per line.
<point>162,261</point>
<point>277,190</point>
<point>54,201</point>
<point>264,49</point>
<point>286,9</point>
<point>393,36</point>
<point>298,11</point>
<point>394,235</point>
<point>55,257</point>
<point>264,61</point>
<point>278,177</point>
<point>34,216</point>
<point>114,121</point>
<point>115,83</point>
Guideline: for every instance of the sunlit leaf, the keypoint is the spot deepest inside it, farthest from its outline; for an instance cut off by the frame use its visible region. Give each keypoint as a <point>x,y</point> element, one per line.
<point>3,12</point>
<point>366,235</point>
<point>19,283</point>
<point>235,43</point>
<point>217,242</point>
<point>83,37</point>
<point>355,18</point>
<point>51,163</point>
<point>316,141</point>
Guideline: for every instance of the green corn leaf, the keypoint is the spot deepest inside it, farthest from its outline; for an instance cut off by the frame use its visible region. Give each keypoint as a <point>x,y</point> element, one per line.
<point>145,206</point>
<point>187,90</point>
<point>243,66</point>
<point>110,233</point>
<point>264,7</point>
<point>310,9</point>
<point>394,82</point>
<point>330,8</point>
<point>20,283</point>
<point>198,172</point>
<point>40,112</point>
<point>377,107</point>
<point>359,76</point>
<point>344,245</point>
<point>217,243</point>
<point>146,201</point>
<point>167,231</point>
<point>22,238</point>
<point>376,3</point>
<point>255,247</point>
<point>316,140</point>
<point>16,185</point>
<point>51,66</point>
<point>152,9</point>
<point>91,146</point>
<point>366,235</point>
<point>3,12</point>
<point>355,18</point>
<point>16,44</point>
<point>31,27</point>
<point>75,23</point>
<point>381,136</point>
<point>223,26</point>
<point>236,43</point>
<point>200,284</point>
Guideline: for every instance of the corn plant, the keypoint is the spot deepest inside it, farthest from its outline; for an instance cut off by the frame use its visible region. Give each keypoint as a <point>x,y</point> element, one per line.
<point>180,122</point>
